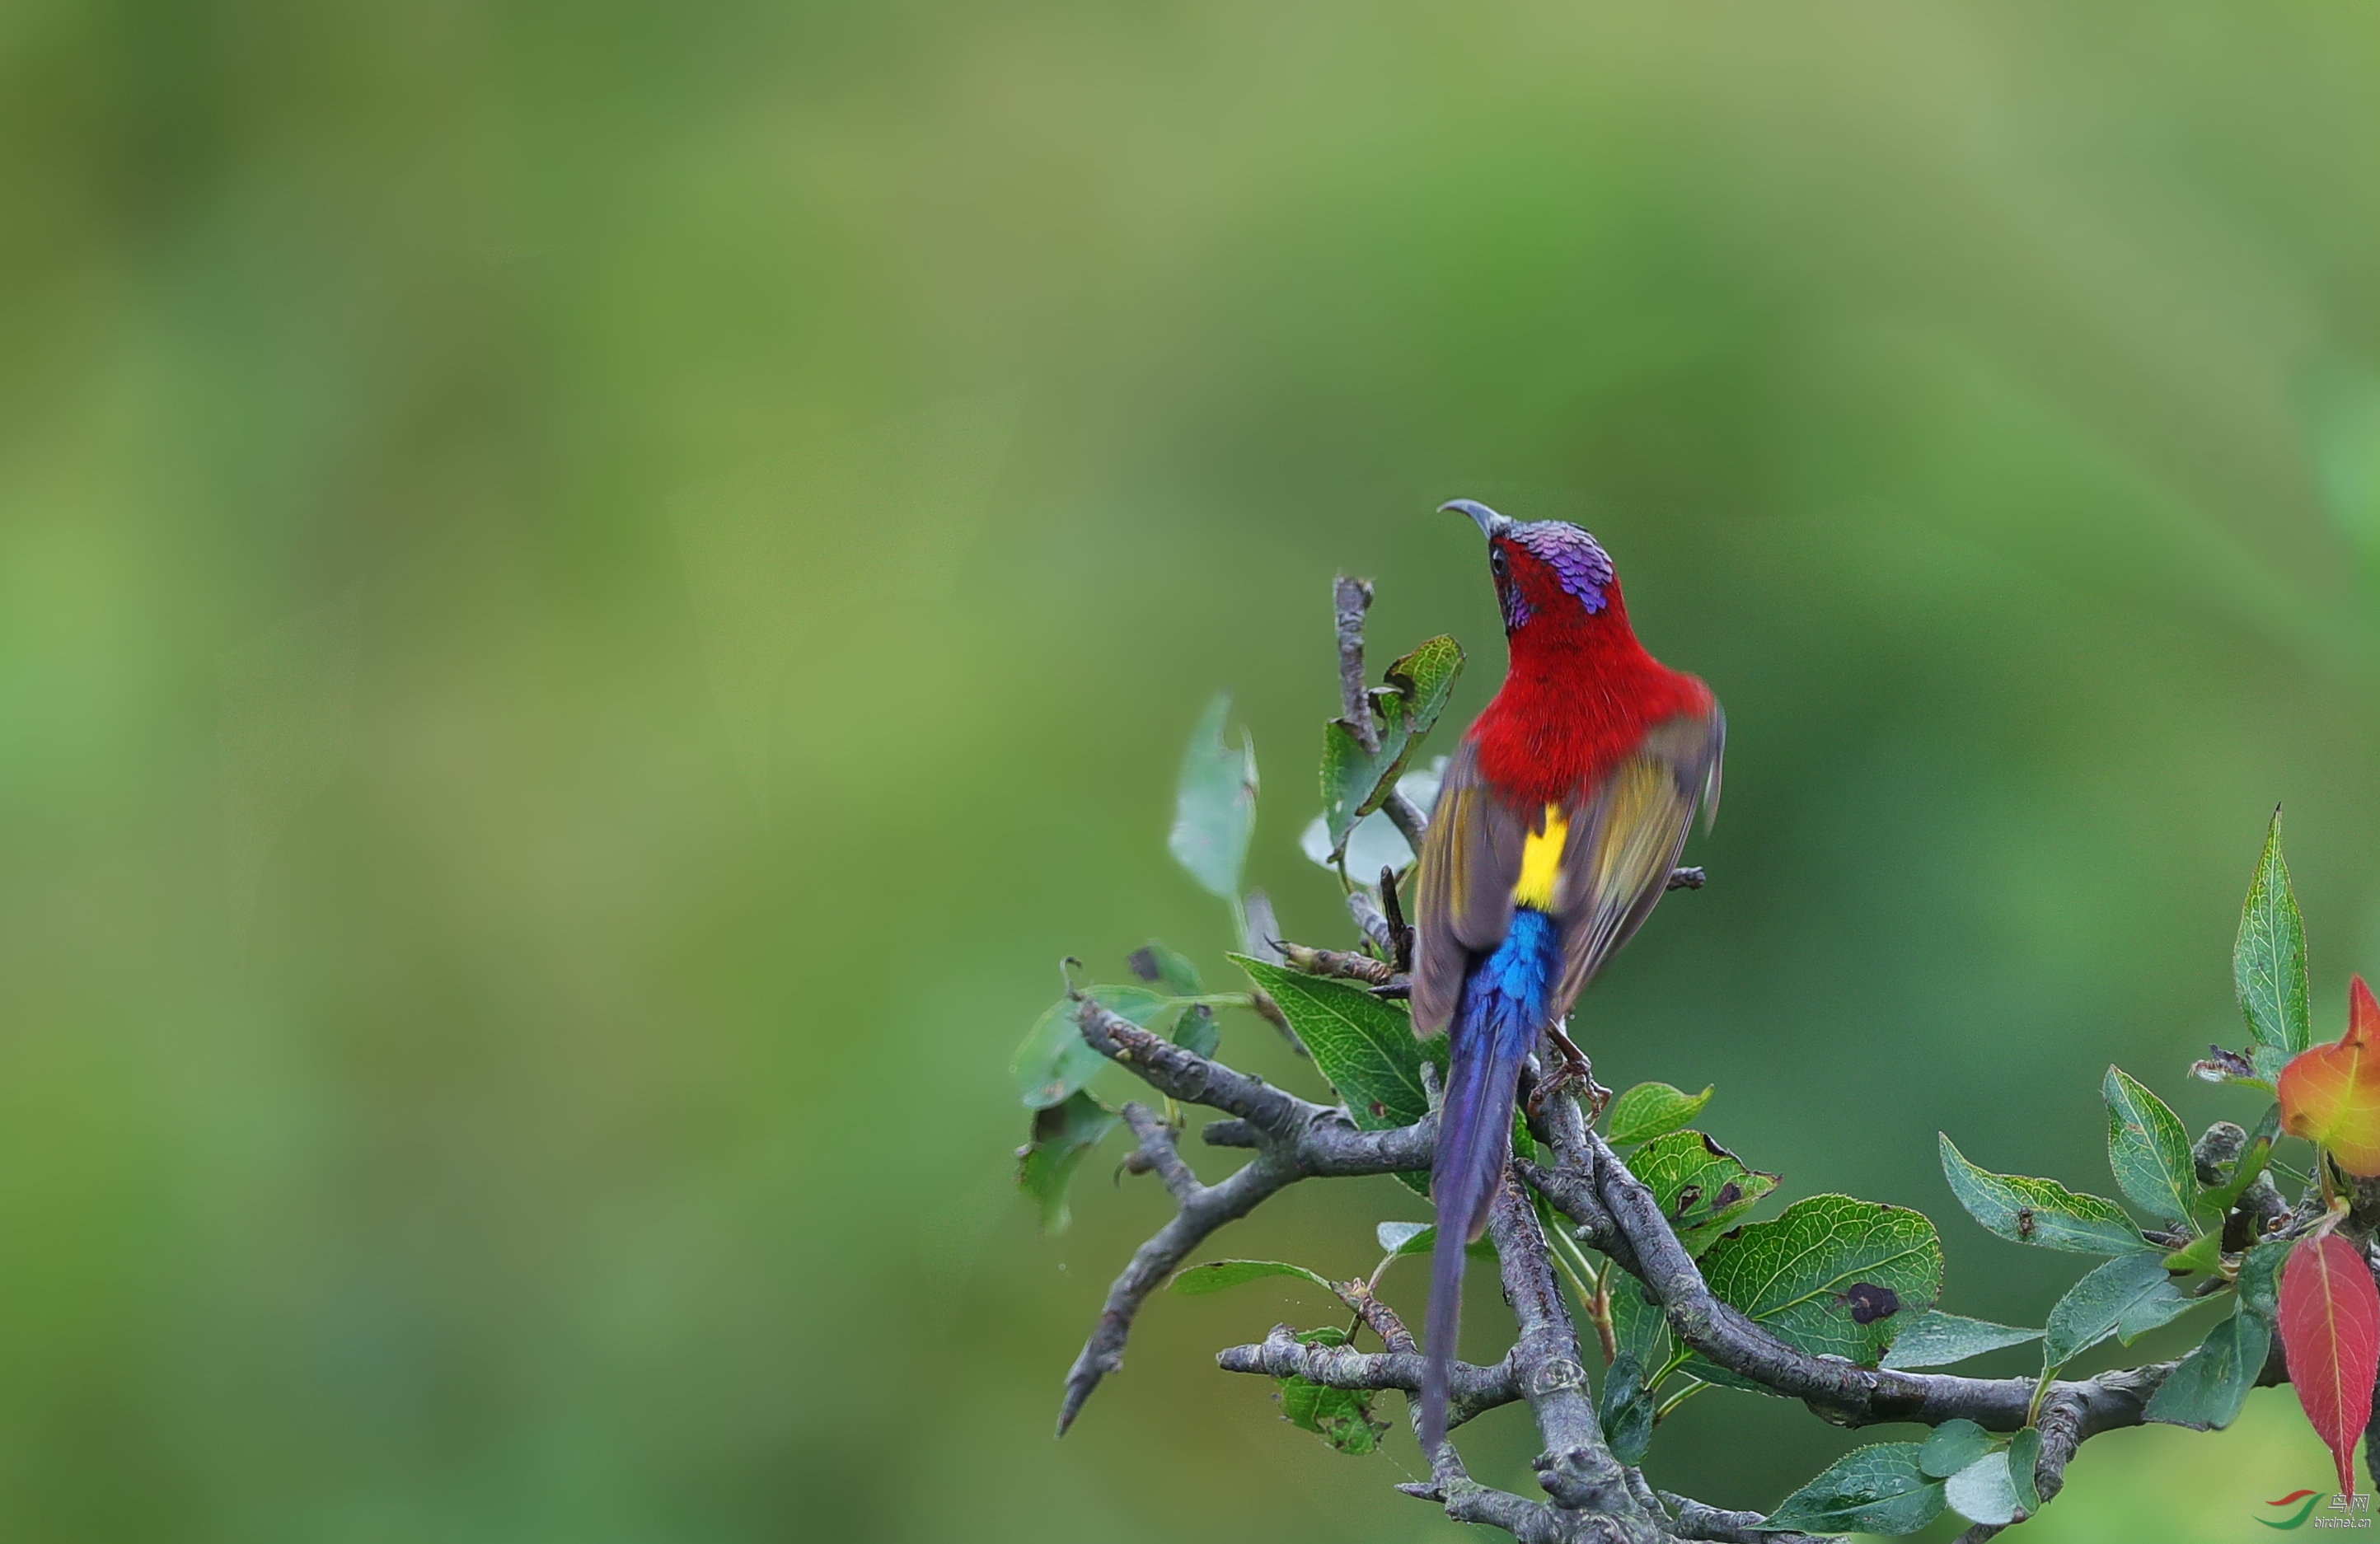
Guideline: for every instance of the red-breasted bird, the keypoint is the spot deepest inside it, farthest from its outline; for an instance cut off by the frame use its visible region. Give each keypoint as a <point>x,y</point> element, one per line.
<point>1556,829</point>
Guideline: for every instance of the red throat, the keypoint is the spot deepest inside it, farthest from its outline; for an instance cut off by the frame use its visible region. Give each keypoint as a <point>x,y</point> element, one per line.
<point>1577,697</point>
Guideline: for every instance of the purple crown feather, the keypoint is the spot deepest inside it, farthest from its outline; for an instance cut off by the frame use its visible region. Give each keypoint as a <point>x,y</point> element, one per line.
<point>1577,560</point>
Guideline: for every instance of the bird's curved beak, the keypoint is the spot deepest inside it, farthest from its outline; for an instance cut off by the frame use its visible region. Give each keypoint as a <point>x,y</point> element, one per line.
<point>1491,524</point>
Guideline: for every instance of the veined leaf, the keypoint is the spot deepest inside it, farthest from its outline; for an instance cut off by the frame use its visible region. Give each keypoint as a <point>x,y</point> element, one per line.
<point>2129,1294</point>
<point>1356,782</point>
<point>1937,1339</point>
<point>2024,1458</point>
<point>1054,1060</point>
<point>1870,1490</point>
<point>1651,1110</point>
<point>1197,1281</point>
<point>2330,1330</point>
<point>2206,1390</point>
<point>1953,1446</point>
<point>2268,961</point>
<point>2039,1212</point>
<point>1046,1164</point>
<point>1365,1046</point>
<point>1215,807</point>
<point>1830,1276</point>
<point>1702,1187</point>
<point>1982,1491</point>
<point>1341,1417</point>
<point>1638,1326</point>
<point>2330,1095</point>
<point>2149,1150</point>
<point>1625,1407</point>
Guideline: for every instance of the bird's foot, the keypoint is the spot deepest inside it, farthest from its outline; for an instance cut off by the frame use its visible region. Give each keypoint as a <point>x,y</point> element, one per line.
<point>1574,1074</point>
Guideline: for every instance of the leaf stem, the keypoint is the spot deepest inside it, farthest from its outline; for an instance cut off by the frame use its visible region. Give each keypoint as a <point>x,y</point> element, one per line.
<point>1693,1386</point>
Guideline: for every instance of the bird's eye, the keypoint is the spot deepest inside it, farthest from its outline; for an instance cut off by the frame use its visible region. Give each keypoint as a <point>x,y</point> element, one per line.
<point>1496,563</point>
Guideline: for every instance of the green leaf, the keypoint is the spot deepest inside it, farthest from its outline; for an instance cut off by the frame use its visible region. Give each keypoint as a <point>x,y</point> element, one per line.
<point>1626,1408</point>
<point>1638,1326</point>
<point>1197,1031</point>
<point>1356,782</point>
<point>1046,1164</point>
<point>1870,1490</point>
<point>1054,1060</point>
<point>2204,1256</point>
<point>1197,1281</point>
<point>1215,806</point>
<point>1830,1276</point>
<point>1155,965</point>
<point>1702,1187</point>
<point>1982,1491</point>
<point>2206,1390</point>
<point>1651,1110</point>
<point>2024,1457</point>
<point>1365,1046</point>
<point>1937,1339</point>
<point>1397,1238</point>
<point>2259,1280</point>
<point>1426,1240</point>
<point>1954,1445</point>
<point>2149,1150</point>
<point>1341,1417</point>
<point>2130,1293</point>
<point>2215,1201</point>
<point>2268,962</point>
<point>2039,1212</point>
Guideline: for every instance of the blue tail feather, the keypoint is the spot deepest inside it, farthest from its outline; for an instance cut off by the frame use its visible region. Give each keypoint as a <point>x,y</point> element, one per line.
<point>1502,1010</point>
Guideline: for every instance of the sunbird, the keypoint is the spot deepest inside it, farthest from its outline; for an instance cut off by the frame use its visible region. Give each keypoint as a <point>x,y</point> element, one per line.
<point>1556,826</point>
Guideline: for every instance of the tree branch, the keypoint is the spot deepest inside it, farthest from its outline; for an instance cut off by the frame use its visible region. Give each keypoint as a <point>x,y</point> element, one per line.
<point>1349,599</point>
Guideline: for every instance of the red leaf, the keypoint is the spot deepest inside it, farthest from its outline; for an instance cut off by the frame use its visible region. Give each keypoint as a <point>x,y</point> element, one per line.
<point>2331,1326</point>
<point>2330,1094</point>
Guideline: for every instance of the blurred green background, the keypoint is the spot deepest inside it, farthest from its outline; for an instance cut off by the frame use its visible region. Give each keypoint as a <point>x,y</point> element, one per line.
<point>590,595</point>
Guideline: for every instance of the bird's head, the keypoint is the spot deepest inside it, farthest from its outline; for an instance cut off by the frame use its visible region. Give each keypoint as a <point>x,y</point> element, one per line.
<point>1550,575</point>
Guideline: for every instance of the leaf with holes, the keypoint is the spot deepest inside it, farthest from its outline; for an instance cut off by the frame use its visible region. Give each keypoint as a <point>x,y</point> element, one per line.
<point>1830,1276</point>
<point>2148,1149</point>
<point>2330,1330</point>
<point>1702,1187</point>
<point>2330,1095</point>
<point>2040,1212</point>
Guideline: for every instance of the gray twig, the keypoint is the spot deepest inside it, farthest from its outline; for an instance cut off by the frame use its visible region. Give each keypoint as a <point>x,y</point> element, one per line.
<point>1349,599</point>
<point>1339,1366</point>
<point>1407,817</point>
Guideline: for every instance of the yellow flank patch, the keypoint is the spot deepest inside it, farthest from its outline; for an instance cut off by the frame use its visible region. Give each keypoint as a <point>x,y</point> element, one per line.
<point>1541,863</point>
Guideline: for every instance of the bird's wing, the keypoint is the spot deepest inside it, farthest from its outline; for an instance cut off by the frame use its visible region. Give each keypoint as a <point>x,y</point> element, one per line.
<point>1625,833</point>
<point>1462,894</point>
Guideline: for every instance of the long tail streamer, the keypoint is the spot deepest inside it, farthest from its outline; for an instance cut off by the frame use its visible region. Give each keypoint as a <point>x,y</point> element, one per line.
<point>1499,1018</point>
